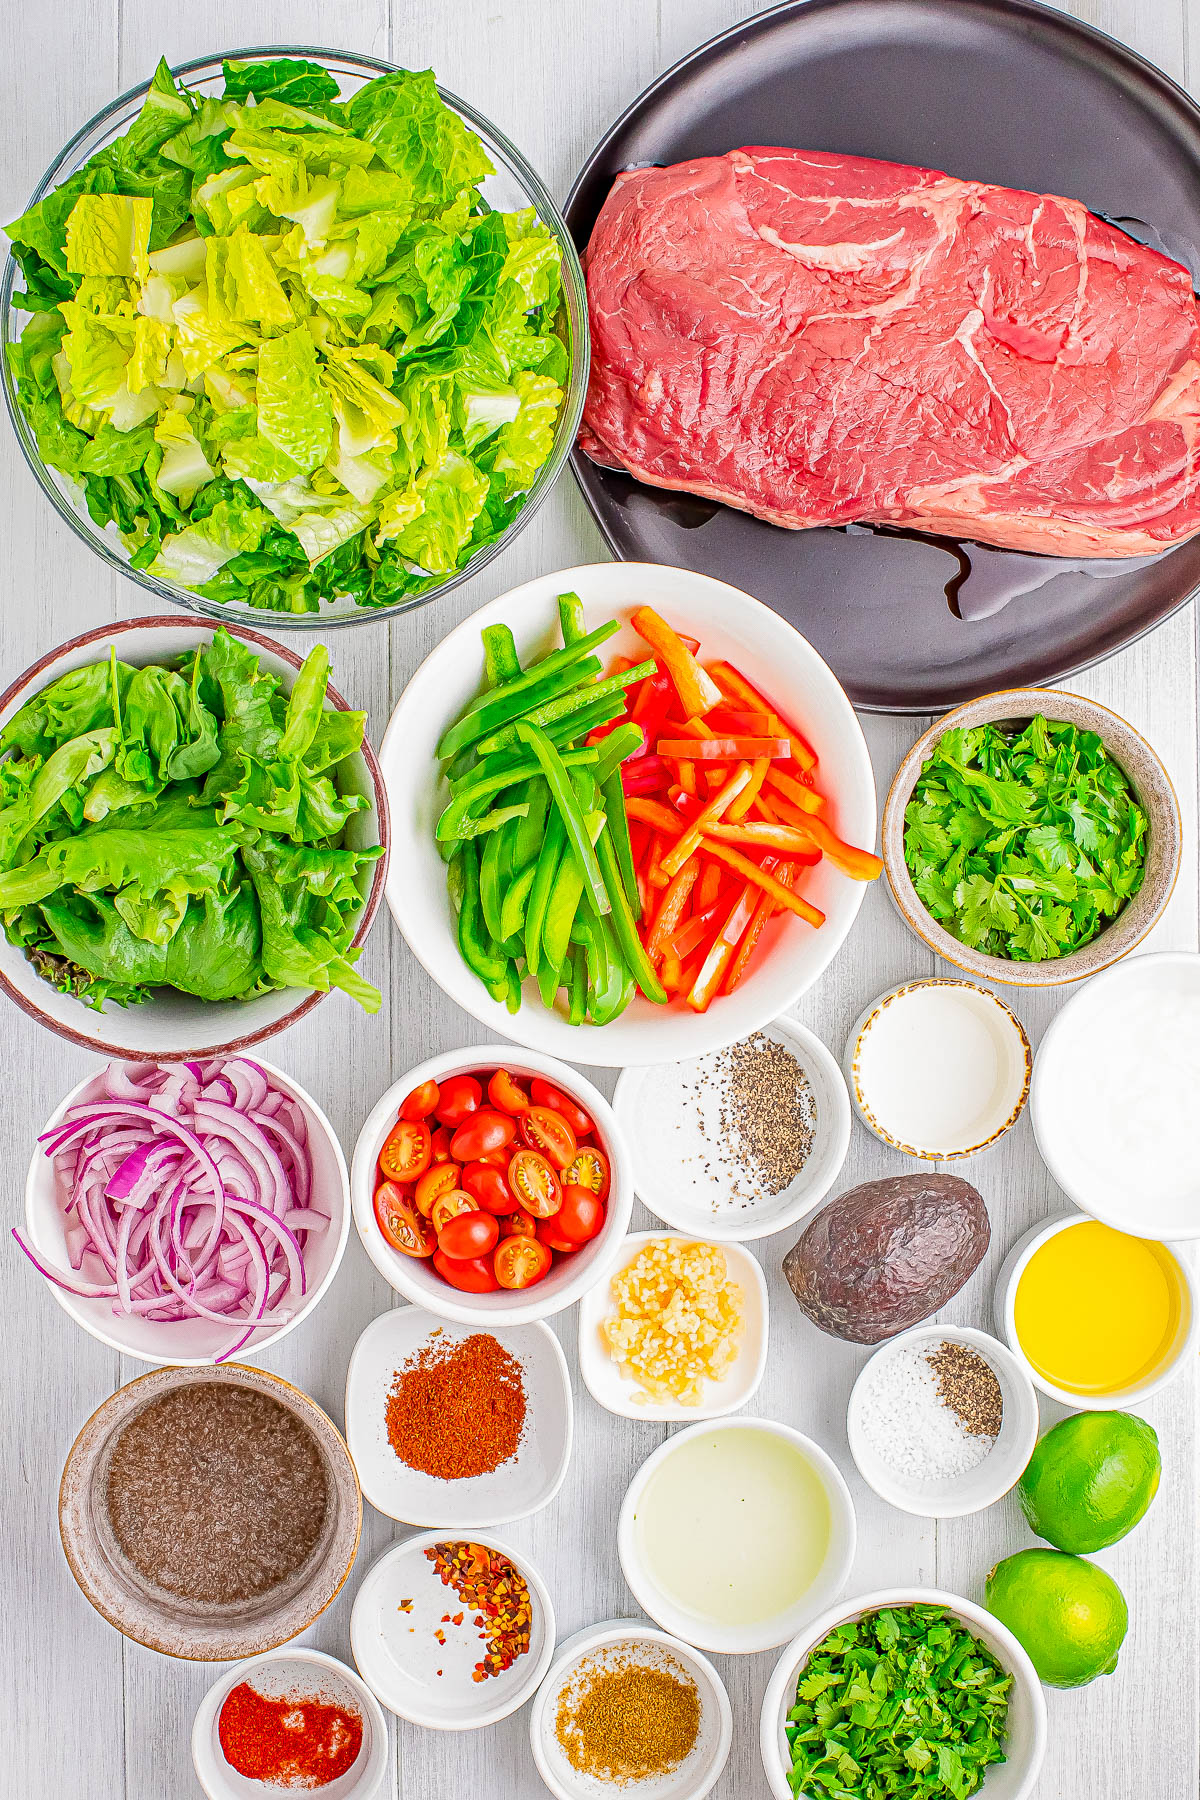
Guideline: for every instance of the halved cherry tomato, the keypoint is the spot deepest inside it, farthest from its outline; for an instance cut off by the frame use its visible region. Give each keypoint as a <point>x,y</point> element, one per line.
<point>553,1239</point>
<point>499,1159</point>
<point>474,1277</point>
<point>549,1133</point>
<point>484,1130</point>
<point>506,1093</point>
<point>451,1206</point>
<point>579,1217</point>
<point>589,1170</point>
<point>518,1223</point>
<point>470,1234</point>
<point>407,1151</point>
<point>458,1096</point>
<point>400,1222</point>
<point>534,1183</point>
<point>421,1102</point>
<point>438,1179</point>
<point>440,1145</point>
<point>488,1188</point>
<point>520,1261</point>
<point>544,1094</point>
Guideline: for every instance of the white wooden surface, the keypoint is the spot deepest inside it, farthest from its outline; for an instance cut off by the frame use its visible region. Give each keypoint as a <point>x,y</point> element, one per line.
<point>91,1717</point>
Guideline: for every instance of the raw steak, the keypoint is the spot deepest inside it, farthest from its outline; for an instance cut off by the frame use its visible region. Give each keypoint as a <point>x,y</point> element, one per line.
<point>818,339</point>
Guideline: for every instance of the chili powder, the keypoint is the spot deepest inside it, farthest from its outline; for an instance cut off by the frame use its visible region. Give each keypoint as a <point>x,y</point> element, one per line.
<point>457,1409</point>
<point>294,1742</point>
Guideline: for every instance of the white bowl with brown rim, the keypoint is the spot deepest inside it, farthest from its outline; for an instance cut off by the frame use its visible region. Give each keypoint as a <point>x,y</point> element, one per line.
<point>1152,788</point>
<point>901,1075</point>
<point>170,1025</point>
<point>203,1629</point>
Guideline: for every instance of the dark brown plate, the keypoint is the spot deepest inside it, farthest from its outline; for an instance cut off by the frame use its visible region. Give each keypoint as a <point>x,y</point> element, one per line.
<point>992,90</point>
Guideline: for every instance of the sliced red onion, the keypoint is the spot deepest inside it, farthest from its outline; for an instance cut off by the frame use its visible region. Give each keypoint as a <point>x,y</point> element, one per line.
<point>190,1189</point>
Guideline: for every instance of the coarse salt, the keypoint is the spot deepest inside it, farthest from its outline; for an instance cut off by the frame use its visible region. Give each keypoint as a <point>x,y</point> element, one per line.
<point>908,1425</point>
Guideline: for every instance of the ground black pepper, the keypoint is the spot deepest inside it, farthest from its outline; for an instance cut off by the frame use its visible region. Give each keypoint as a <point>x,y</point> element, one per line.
<point>769,1112</point>
<point>967,1384</point>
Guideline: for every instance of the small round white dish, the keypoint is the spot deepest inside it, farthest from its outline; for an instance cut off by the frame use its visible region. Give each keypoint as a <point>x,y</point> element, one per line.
<point>399,1657</point>
<point>607,1383</point>
<point>938,1068</point>
<point>728,623</point>
<point>1025,1743</point>
<point>702,1630</point>
<point>187,1343</point>
<point>657,1107</point>
<point>1181,1356</point>
<point>523,1485</point>
<point>1114,1104</point>
<point>415,1277</point>
<point>950,1496</point>
<point>286,1672</point>
<point>691,1779</point>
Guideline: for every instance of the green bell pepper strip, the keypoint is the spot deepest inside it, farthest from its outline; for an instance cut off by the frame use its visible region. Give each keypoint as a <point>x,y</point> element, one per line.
<point>563,669</point>
<point>577,725</point>
<point>615,748</point>
<point>566,800</point>
<point>512,909</point>
<point>553,845</point>
<point>459,812</point>
<point>495,872</point>
<point>500,660</point>
<point>560,913</point>
<point>512,998</point>
<point>567,704</point>
<point>476,950</point>
<point>577,987</point>
<point>570,618</point>
<point>623,923</point>
<point>532,829</point>
<point>609,986</point>
<point>491,821</point>
<point>550,979</point>
<point>613,796</point>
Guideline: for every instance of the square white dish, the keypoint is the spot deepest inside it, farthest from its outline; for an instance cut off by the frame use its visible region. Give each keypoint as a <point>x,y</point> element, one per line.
<point>521,1486</point>
<point>604,1378</point>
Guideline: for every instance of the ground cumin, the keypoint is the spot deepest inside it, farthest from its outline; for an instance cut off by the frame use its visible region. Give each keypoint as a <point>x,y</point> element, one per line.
<point>622,1718</point>
<point>457,1408</point>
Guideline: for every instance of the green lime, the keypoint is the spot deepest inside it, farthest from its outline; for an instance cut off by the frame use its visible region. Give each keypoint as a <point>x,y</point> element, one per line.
<point>1070,1616</point>
<point>1091,1479</point>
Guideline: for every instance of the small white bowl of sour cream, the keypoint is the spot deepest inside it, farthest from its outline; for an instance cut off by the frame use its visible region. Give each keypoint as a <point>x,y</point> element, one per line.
<point>939,1068</point>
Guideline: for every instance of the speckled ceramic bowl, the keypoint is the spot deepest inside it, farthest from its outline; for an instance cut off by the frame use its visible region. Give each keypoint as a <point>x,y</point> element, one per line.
<point>150,1615</point>
<point>1150,783</point>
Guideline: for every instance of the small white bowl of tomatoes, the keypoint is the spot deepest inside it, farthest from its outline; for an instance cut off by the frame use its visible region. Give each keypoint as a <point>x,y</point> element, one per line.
<point>492,1185</point>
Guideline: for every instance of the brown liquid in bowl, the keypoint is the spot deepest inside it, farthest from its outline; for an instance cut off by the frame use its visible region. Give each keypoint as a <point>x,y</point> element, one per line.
<point>216,1493</point>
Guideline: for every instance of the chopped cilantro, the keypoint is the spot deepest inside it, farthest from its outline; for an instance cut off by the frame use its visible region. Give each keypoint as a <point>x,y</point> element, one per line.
<point>903,1704</point>
<point>1024,847</point>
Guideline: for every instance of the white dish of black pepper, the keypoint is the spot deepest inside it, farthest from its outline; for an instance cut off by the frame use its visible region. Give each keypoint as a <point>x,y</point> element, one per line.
<point>742,1142</point>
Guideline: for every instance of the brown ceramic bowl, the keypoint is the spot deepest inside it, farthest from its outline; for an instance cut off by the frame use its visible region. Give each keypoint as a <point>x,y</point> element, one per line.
<point>158,1619</point>
<point>170,1025</point>
<point>1150,783</point>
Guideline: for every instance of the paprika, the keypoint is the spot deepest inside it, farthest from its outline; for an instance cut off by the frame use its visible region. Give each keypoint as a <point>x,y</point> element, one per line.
<point>457,1408</point>
<point>294,1741</point>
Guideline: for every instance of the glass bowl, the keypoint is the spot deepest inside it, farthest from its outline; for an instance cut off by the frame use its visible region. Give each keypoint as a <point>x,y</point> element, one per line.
<point>514,185</point>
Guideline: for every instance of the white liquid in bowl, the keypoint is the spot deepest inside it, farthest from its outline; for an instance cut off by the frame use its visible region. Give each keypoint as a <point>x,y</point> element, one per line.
<point>941,1066</point>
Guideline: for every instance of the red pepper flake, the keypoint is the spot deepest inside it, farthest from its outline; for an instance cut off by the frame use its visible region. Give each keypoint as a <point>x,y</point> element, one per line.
<point>493,1587</point>
<point>405,1606</point>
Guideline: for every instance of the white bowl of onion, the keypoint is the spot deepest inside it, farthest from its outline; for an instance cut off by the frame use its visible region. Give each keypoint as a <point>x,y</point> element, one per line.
<point>228,1281</point>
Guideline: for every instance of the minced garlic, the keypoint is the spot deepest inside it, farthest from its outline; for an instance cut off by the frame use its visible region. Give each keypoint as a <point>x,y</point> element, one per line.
<point>678,1320</point>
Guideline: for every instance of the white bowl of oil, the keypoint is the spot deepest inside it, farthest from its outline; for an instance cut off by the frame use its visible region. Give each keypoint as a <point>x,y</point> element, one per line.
<point>735,1533</point>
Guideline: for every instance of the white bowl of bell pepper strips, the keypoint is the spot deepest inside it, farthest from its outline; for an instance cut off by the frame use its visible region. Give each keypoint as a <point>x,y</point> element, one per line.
<point>632,811</point>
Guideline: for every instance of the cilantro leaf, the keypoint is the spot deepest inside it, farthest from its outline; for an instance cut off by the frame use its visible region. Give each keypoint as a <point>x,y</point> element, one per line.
<point>1024,847</point>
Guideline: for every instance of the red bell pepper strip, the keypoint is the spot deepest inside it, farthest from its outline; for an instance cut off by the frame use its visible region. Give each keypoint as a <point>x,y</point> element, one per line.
<point>694,932</point>
<point>698,692</point>
<point>671,907</point>
<point>736,688</point>
<point>690,841</point>
<point>710,886</point>
<point>806,798</point>
<point>653,813</point>
<point>781,895</point>
<point>644,774</point>
<point>722,950</point>
<point>759,835</point>
<point>749,795</point>
<point>860,865</point>
<point>725,749</point>
<point>785,874</point>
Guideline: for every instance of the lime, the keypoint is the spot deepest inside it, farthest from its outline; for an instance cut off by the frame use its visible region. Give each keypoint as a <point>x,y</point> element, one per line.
<point>1070,1616</point>
<point>1091,1479</point>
